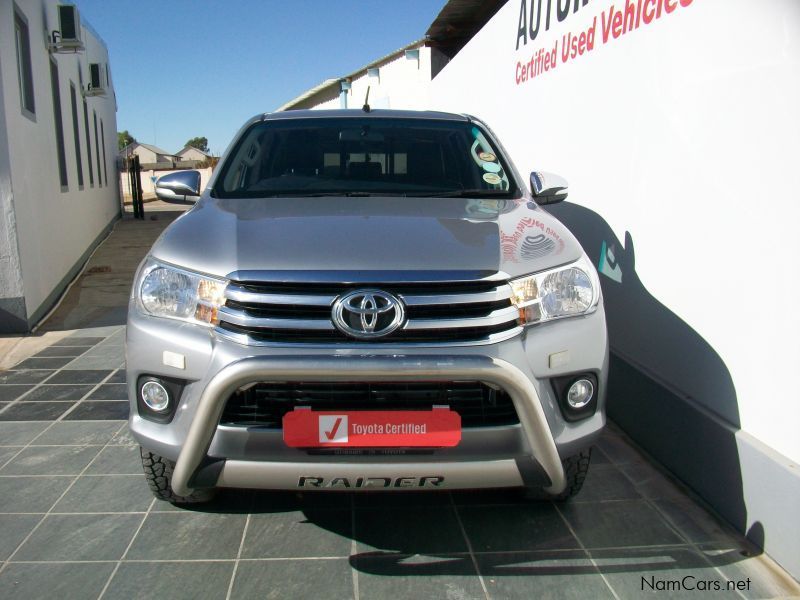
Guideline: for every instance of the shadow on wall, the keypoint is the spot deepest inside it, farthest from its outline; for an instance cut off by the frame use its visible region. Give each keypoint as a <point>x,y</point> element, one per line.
<point>668,388</point>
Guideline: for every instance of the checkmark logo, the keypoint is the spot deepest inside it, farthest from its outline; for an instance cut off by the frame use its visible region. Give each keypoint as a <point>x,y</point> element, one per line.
<point>333,429</point>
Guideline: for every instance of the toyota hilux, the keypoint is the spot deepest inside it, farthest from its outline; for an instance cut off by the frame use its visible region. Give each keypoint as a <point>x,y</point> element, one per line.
<point>366,300</point>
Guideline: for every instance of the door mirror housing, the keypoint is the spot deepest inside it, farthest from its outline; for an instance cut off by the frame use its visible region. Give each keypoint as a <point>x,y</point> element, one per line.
<point>548,188</point>
<point>181,185</point>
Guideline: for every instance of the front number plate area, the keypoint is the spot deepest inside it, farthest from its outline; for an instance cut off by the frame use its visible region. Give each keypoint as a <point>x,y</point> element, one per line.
<point>437,428</point>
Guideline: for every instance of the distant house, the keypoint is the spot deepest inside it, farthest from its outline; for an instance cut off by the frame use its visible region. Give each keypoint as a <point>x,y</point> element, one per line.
<point>148,154</point>
<point>192,153</point>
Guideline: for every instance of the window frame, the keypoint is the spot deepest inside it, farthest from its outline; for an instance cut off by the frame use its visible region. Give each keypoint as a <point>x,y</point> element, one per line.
<point>22,47</point>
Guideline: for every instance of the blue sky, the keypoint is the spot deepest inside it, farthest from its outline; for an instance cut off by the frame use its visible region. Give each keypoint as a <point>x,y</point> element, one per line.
<point>186,68</point>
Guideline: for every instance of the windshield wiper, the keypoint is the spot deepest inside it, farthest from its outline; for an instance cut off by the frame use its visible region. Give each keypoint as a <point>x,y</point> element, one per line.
<point>473,193</point>
<point>350,194</point>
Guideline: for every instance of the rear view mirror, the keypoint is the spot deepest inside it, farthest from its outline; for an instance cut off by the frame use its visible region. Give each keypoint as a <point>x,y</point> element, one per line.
<point>359,135</point>
<point>548,188</point>
<point>181,185</point>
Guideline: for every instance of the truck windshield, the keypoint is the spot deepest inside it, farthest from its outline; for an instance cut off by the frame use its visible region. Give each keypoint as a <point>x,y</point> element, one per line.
<point>364,156</point>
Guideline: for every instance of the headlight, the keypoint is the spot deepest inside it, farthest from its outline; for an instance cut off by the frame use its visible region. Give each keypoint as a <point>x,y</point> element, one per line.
<point>564,292</point>
<point>164,291</point>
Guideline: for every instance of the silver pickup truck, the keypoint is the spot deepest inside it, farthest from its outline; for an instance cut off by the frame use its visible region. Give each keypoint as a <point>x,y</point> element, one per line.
<point>366,300</point>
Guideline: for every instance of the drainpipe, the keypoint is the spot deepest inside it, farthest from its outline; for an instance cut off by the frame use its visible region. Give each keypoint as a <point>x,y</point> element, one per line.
<point>344,88</point>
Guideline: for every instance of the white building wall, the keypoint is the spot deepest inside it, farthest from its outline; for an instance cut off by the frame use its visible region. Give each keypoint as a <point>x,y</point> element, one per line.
<point>679,138</point>
<point>684,133</point>
<point>55,227</point>
<point>403,84</point>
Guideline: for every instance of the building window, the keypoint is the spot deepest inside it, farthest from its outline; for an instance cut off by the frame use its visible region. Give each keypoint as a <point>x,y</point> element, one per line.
<point>97,152</point>
<point>23,42</point>
<point>88,143</point>
<point>105,162</point>
<point>76,132</point>
<point>60,153</point>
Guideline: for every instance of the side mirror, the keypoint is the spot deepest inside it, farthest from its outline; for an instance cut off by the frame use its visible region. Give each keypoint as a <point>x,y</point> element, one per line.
<point>181,185</point>
<point>548,188</point>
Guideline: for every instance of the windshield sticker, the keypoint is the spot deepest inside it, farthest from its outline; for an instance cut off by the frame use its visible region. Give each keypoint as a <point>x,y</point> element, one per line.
<point>487,156</point>
<point>491,178</point>
<point>491,167</point>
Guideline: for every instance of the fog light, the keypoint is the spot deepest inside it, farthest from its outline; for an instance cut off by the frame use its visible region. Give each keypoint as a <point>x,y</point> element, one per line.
<point>580,393</point>
<point>155,396</point>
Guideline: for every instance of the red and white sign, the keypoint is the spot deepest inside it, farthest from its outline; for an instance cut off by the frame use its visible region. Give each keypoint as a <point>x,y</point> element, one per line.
<point>437,428</point>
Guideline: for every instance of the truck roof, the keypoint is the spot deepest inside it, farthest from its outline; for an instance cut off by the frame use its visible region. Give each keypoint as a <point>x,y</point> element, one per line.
<point>358,112</point>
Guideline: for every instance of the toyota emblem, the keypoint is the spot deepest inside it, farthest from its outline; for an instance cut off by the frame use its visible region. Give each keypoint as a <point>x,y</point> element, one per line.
<point>367,314</point>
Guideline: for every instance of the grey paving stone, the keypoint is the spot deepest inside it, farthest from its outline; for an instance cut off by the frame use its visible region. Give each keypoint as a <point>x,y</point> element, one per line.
<point>123,438</point>
<point>32,376</point>
<point>42,363</point>
<point>19,434</point>
<point>276,580</point>
<point>173,580</point>
<point>226,501</point>
<point>14,529</point>
<point>618,524</point>
<point>117,460</point>
<point>757,576</point>
<point>694,522</point>
<point>110,391</point>
<point>618,450</point>
<point>166,536</point>
<point>79,340</point>
<point>106,493</point>
<point>104,362</point>
<point>289,534</point>
<point>6,452</point>
<point>60,351</point>
<point>568,575</point>
<point>675,572</point>
<point>409,530</point>
<point>390,575</point>
<point>651,483</point>
<point>100,410</point>
<point>4,404</point>
<point>80,537</point>
<point>65,433</point>
<point>10,392</point>
<point>599,457</point>
<point>118,377</point>
<point>606,482</point>
<point>31,494</point>
<point>54,580</point>
<point>57,393</point>
<point>90,376</point>
<point>35,411</point>
<point>51,460</point>
<point>518,527</point>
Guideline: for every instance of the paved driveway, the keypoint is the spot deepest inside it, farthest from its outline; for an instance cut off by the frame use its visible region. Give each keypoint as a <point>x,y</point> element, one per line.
<point>77,519</point>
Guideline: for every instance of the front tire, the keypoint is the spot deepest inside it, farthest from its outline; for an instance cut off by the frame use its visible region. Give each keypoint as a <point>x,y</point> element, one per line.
<point>576,467</point>
<point>158,472</point>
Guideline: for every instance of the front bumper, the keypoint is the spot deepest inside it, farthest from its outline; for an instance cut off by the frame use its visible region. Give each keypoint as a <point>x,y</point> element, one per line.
<point>208,454</point>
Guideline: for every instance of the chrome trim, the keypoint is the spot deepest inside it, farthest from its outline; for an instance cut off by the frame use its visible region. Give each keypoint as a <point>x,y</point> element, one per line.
<point>498,317</point>
<point>285,475</point>
<point>241,318</point>
<point>240,294</point>
<point>245,340</point>
<point>368,368</point>
<point>499,293</point>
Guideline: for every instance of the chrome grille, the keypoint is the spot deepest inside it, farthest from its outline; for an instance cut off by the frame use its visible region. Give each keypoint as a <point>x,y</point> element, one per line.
<point>437,312</point>
<point>265,404</point>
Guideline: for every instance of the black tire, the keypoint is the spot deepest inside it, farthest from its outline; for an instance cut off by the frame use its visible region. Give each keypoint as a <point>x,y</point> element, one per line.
<point>158,472</point>
<point>575,469</point>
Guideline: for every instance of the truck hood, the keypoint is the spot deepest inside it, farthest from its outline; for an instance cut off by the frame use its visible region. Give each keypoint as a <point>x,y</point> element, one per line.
<point>366,239</point>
